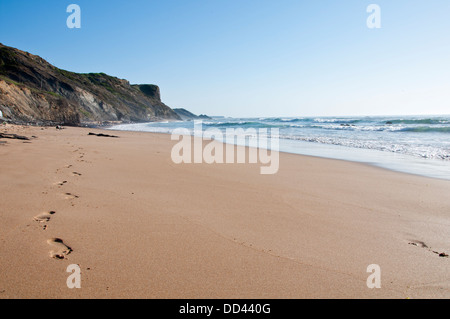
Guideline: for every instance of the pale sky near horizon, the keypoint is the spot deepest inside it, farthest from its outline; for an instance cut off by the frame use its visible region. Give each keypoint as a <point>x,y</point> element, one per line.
<point>252,58</point>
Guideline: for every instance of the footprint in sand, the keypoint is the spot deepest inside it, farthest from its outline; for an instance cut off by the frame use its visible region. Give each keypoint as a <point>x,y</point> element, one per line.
<point>60,250</point>
<point>71,196</point>
<point>418,243</point>
<point>44,218</point>
<point>421,244</point>
<point>62,183</point>
<point>76,174</point>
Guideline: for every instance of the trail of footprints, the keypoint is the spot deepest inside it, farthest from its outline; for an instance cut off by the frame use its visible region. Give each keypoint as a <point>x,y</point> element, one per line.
<point>59,249</point>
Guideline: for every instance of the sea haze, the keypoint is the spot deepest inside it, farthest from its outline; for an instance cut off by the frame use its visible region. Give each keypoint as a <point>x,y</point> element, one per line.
<point>412,144</point>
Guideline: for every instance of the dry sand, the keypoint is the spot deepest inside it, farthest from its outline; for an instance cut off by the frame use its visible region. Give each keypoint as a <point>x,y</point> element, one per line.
<point>141,226</point>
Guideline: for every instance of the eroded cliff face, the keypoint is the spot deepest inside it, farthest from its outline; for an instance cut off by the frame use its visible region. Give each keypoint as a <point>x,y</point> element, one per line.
<point>34,91</point>
<point>22,104</point>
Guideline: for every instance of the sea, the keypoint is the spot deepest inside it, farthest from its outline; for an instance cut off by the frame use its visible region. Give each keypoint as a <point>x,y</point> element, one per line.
<point>411,144</point>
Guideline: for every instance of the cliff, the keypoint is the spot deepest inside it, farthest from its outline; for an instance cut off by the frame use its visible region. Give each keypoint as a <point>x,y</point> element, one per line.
<point>34,91</point>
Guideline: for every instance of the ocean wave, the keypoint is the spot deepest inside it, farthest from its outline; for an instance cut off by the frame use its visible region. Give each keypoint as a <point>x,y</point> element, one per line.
<point>337,120</point>
<point>428,121</point>
<point>426,129</point>
<point>376,128</point>
<point>348,127</point>
<point>288,120</point>
<point>242,124</point>
<point>427,152</point>
<point>315,120</point>
<point>229,123</point>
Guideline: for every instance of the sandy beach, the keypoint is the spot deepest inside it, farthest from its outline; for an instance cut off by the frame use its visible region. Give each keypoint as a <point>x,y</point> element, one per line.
<point>140,226</point>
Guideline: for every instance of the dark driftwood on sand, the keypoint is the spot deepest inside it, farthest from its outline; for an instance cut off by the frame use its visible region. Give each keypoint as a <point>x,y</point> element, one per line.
<point>14,136</point>
<point>103,135</point>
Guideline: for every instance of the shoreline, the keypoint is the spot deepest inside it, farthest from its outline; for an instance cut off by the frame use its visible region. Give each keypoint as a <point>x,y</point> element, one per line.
<point>377,165</point>
<point>142,227</point>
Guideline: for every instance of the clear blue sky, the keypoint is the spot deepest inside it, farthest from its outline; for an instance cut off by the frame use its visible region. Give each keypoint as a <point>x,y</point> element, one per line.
<point>252,57</point>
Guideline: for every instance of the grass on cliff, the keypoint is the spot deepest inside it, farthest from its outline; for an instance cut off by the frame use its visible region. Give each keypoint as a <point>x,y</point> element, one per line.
<point>11,81</point>
<point>85,113</point>
<point>52,93</point>
<point>34,90</point>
